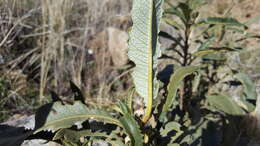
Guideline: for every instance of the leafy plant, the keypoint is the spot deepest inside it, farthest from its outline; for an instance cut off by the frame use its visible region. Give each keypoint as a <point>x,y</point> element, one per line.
<point>188,113</point>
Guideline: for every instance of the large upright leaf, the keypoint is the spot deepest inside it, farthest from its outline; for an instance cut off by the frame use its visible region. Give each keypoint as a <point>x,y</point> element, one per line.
<point>144,48</point>
<point>174,84</point>
<point>59,116</point>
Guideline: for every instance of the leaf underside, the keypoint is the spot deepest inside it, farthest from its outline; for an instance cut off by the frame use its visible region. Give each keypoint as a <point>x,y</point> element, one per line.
<point>144,47</point>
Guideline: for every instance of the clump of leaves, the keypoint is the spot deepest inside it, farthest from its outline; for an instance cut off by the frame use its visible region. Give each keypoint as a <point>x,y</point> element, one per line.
<point>181,116</point>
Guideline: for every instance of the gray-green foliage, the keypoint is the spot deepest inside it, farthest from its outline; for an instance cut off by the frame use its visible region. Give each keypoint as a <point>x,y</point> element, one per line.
<point>64,116</point>
<point>188,111</point>
<point>144,48</point>
<point>175,82</point>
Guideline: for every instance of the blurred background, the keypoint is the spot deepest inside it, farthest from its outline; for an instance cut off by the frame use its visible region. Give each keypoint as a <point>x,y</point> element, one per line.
<point>45,44</point>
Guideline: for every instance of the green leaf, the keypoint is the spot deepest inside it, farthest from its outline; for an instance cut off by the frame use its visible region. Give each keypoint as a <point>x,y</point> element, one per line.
<point>170,127</point>
<point>225,104</point>
<point>221,21</point>
<point>212,50</point>
<point>174,144</point>
<point>176,12</point>
<point>131,126</point>
<point>144,49</point>
<point>186,10</point>
<point>129,101</point>
<point>174,84</point>
<point>214,56</point>
<point>182,11</point>
<point>206,44</point>
<point>172,23</point>
<point>195,4</point>
<point>249,86</point>
<point>75,135</point>
<point>57,116</point>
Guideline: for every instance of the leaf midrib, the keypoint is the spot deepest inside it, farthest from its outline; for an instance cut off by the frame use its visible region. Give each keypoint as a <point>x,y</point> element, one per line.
<point>53,122</point>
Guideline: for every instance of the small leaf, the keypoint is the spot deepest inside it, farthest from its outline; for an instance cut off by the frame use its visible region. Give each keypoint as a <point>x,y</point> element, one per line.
<point>249,86</point>
<point>172,23</point>
<point>206,44</point>
<point>131,126</point>
<point>225,104</point>
<point>214,56</point>
<point>130,99</point>
<point>195,4</point>
<point>176,12</point>
<point>170,127</point>
<point>174,84</point>
<point>174,144</point>
<point>186,10</point>
<point>220,21</point>
<point>212,50</point>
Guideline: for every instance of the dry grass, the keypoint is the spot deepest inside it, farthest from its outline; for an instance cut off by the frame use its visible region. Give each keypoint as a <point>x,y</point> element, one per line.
<point>47,42</point>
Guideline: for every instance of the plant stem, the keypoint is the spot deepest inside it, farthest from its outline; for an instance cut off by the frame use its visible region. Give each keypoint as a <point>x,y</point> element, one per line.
<point>185,92</point>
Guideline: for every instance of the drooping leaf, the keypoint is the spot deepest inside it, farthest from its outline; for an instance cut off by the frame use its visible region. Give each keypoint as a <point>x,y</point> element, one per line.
<point>131,126</point>
<point>225,104</point>
<point>249,86</point>
<point>183,11</point>
<point>219,56</point>
<point>144,48</point>
<point>220,21</point>
<point>172,23</point>
<point>195,4</point>
<point>170,127</point>
<point>212,50</point>
<point>176,12</point>
<point>206,44</point>
<point>186,11</point>
<point>56,116</point>
<point>174,84</point>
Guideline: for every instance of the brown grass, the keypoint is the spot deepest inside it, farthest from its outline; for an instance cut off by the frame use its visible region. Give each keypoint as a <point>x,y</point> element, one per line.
<point>47,42</point>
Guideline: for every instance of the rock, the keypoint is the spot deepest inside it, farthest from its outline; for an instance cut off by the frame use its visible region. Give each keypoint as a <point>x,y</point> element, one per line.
<point>100,143</point>
<point>21,121</point>
<point>117,46</point>
<point>28,122</point>
<point>38,142</point>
